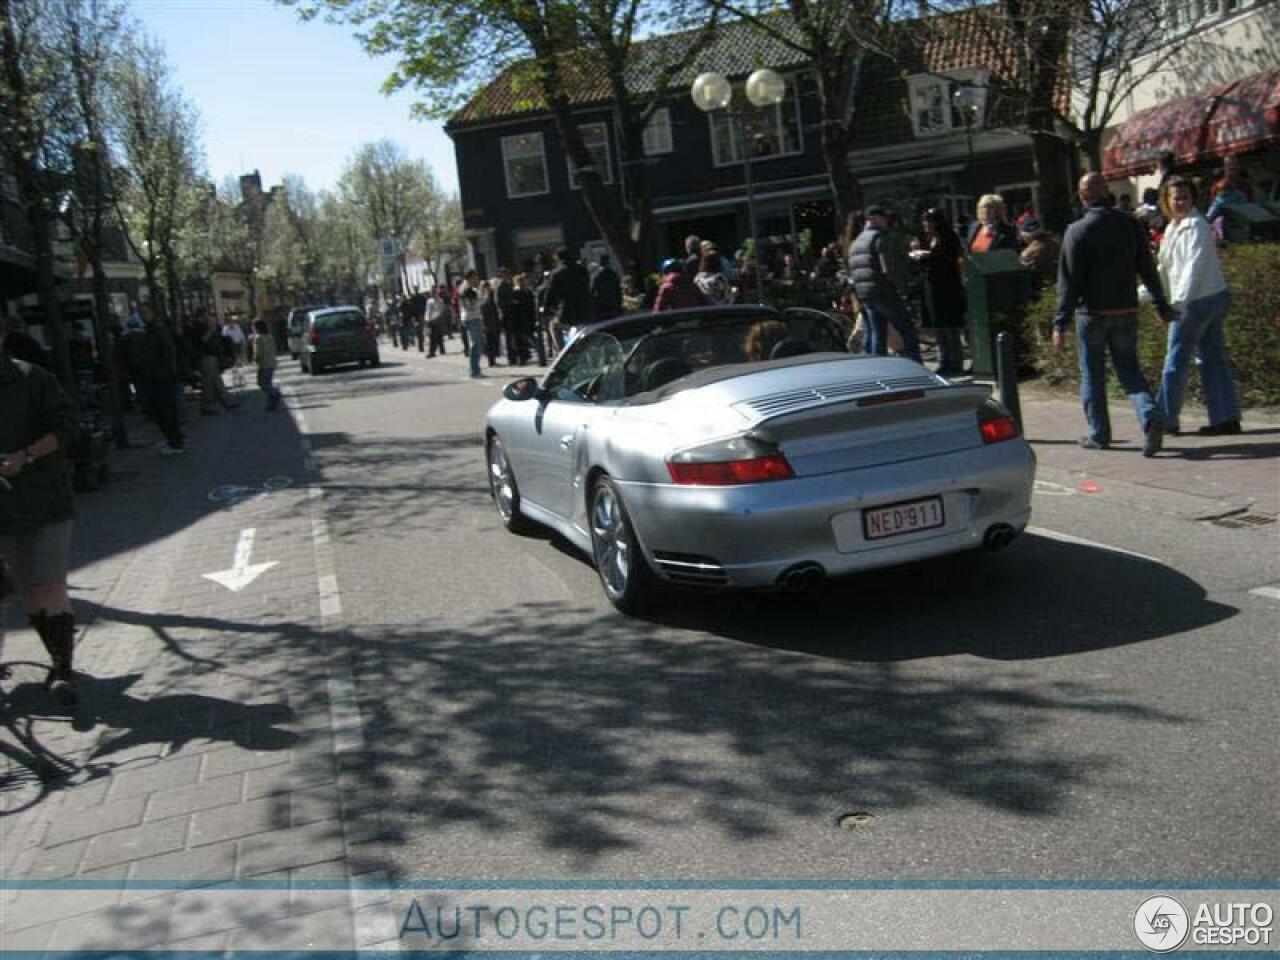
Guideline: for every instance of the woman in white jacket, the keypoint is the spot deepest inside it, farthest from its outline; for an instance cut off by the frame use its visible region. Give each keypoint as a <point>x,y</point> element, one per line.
<point>1198,292</point>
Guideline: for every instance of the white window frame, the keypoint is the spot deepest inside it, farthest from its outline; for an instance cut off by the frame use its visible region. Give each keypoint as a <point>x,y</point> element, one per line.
<point>606,174</point>
<point>723,116</point>
<point>1002,189</point>
<point>657,133</point>
<point>508,156</point>
<point>949,83</point>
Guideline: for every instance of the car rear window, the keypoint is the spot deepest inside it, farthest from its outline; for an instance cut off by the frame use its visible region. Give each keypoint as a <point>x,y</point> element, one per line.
<point>338,321</point>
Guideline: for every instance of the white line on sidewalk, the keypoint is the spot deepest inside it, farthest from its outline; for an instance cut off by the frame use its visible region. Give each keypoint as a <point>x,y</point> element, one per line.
<point>1080,541</point>
<point>1271,593</point>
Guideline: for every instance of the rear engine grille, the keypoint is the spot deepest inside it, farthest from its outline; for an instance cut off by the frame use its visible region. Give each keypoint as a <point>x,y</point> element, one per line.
<point>691,569</point>
<point>791,401</point>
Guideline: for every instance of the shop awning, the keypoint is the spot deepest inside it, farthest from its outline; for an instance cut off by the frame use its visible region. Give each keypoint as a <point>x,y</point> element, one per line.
<point>1233,118</point>
<point>1247,116</point>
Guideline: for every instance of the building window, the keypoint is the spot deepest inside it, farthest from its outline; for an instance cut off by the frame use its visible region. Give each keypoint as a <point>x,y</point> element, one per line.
<point>526,165</point>
<point>934,110</point>
<point>534,243</point>
<point>772,131</point>
<point>657,133</point>
<point>596,138</point>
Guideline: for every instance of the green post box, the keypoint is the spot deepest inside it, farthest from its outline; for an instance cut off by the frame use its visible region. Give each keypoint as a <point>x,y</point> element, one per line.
<point>994,283</point>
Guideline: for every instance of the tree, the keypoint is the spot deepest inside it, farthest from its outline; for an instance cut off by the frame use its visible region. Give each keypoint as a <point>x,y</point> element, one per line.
<point>442,238</point>
<point>390,194</point>
<point>553,48</point>
<point>239,229</point>
<point>1107,63</point>
<point>33,96</point>
<point>345,251</point>
<point>836,36</point>
<point>155,132</point>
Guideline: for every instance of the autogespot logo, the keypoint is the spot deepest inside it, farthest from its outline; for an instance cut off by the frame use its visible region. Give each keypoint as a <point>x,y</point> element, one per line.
<point>1161,924</point>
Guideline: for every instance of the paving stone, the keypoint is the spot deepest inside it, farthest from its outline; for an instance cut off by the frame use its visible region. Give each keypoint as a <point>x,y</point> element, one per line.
<point>59,863</point>
<point>204,795</point>
<point>33,938</point>
<point>124,927</point>
<point>214,863</point>
<point>83,795</point>
<point>221,763</point>
<point>315,804</point>
<point>168,774</point>
<point>114,815</point>
<point>284,849</point>
<point>329,930</point>
<point>210,943</point>
<point>288,777</point>
<point>320,886</point>
<point>375,923</point>
<point>34,908</point>
<point>240,820</point>
<point>202,912</point>
<point>135,843</point>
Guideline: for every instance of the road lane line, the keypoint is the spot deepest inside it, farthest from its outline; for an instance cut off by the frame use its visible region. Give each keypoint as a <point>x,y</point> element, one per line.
<point>1080,541</point>
<point>1271,593</point>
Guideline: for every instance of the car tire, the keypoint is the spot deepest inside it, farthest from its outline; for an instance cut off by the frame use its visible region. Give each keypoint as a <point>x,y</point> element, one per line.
<point>625,575</point>
<point>503,488</point>
<point>376,361</point>
<point>314,368</point>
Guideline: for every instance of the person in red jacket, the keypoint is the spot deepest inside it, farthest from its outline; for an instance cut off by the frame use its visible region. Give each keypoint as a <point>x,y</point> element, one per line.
<point>677,290</point>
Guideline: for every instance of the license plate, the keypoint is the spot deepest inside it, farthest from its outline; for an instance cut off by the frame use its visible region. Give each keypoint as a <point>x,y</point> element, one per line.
<point>899,518</point>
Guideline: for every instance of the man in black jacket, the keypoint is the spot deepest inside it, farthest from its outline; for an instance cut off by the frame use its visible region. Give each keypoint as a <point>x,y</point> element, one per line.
<point>606,290</point>
<point>568,297</point>
<point>1103,255</point>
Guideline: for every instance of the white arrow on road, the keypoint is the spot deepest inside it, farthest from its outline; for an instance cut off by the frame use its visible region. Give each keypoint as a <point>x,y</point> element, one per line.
<point>242,572</point>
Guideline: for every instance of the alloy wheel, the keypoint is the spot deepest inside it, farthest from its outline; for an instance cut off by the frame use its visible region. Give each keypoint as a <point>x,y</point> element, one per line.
<point>612,540</point>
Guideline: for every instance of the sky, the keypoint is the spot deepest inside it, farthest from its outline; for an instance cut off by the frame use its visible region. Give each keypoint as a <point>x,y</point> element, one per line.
<point>282,96</point>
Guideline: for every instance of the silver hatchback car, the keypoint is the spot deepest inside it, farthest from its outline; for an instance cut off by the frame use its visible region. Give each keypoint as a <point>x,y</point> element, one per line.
<point>338,335</point>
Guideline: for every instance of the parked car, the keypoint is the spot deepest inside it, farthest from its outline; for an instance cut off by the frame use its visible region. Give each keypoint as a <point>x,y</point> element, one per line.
<point>337,335</point>
<point>296,324</point>
<point>739,447</point>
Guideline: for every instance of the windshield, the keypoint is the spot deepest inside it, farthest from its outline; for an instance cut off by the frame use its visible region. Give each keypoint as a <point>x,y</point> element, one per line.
<point>338,321</point>
<point>662,356</point>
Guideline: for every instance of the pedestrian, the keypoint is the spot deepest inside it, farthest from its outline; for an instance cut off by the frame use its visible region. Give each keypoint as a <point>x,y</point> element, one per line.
<point>879,279</point>
<point>472,320</point>
<point>504,301</point>
<point>1039,255</point>
<point>991,231</point>
<point>945,302</point>
<point>492,322</point>
<point>677,291</point>
<point>1149,213</point>
<point>407,333</point>
<point>692,255</point>
<point>568,299</point>
<point>437,321</point>
<point>214,357</point>
<point>264,357</point>
<point>711,283</point>
<point>1200,298</point>
<point>159,362</point>
<point>524,321</point>
<point>1103,255</point>
<point>418,310</point>
<point>37,422</point>
<point>606,290</point>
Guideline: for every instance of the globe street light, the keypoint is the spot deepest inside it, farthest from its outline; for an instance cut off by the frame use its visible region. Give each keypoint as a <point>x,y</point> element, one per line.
<point>764,88</point>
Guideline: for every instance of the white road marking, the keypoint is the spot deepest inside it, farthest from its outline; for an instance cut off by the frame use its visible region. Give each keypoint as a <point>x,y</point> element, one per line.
<point>1271,593</point>
<point>1080,541</point>
<point>242,572</point>
<point>1051,489</point>
<point>326,573</point>
<point>344,712</point>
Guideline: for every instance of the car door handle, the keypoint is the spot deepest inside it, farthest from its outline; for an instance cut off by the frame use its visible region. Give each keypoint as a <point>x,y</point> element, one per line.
<point>566,441</point>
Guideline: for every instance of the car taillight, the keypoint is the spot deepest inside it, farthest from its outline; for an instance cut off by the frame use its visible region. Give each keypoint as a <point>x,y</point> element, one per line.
<point>995,424</point>
<point>313,338</point>
<point>729,463</point>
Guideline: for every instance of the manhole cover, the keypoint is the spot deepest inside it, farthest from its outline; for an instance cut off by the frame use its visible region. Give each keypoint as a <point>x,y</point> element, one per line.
<point>855,820</point>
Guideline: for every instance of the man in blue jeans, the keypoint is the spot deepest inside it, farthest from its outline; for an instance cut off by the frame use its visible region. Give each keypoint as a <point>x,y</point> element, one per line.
<point>1103,255</point>
<point>877,272</point>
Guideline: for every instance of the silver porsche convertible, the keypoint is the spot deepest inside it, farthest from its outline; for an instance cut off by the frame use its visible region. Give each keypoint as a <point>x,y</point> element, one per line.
<point>734,447</point>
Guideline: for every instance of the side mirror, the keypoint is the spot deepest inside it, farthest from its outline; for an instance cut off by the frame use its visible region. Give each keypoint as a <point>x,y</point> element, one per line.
<point>526,388</point>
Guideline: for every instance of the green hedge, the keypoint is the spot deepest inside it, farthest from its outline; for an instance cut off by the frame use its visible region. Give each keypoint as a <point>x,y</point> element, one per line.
<point>1253,331</point>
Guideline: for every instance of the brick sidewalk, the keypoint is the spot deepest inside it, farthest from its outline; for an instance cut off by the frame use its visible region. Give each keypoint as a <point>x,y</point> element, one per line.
<point>204,753</point>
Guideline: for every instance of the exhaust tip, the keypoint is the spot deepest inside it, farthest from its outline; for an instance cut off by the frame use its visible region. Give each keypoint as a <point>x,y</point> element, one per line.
<point>801,577</point>
<point>998,536</point>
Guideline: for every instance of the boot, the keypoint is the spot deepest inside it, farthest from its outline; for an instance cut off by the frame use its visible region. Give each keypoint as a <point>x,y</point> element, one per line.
<point>58,632</point>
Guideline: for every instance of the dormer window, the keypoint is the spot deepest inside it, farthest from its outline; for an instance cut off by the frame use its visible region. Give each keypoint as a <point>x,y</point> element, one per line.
<point>936,108</point>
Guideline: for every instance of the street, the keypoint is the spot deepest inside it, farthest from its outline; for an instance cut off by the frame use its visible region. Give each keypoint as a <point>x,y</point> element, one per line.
<point>315,626</point>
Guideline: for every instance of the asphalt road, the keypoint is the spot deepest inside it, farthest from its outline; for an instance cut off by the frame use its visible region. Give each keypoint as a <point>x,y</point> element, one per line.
<point>1093,709</point>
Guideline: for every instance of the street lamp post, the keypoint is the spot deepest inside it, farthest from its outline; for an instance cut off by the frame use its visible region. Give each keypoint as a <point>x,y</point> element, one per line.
<point>968,100</point>
<point>764,88</point>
